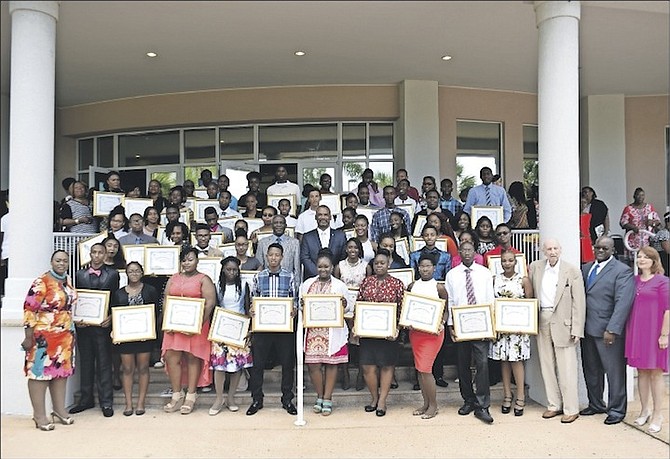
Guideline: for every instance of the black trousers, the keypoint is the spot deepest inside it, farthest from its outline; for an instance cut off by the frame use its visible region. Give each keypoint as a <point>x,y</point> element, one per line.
<point>284,346</point>
<point>477,351</point>
<point>599,359</point>
<point>95,360</point>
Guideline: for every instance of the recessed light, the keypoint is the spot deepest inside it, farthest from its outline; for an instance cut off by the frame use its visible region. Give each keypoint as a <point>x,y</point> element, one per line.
<point>137,156</point>
<point>446,57</point>
<point>300,53</point>
<point>152,54</point>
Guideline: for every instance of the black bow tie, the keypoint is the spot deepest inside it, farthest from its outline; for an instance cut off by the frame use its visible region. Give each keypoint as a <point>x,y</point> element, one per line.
<point>274,274</point>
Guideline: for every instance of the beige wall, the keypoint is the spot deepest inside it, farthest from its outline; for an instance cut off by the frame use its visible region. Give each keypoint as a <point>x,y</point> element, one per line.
<point>646,119</point>
<point>513,109</point>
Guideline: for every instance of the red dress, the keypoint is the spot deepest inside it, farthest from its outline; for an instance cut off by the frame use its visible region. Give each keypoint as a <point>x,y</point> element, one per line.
<point>585,238</point>
<point>197,345</point>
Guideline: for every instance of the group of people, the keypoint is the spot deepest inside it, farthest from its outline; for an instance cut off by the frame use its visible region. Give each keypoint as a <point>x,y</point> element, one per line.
<point>615,316</point>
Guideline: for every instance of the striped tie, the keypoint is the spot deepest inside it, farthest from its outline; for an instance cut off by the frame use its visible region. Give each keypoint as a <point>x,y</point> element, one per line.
<point>469,287</point>
<point>488,195</point>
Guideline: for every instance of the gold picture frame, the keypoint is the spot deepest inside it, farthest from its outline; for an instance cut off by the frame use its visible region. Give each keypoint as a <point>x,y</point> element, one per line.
<point>495,214</point>
<point>133,323</point>
<point>84,247</point>
<point>183,314</point>
<point>136,205</point>
<point>405,275</point>
<point>134,252</point>
<point>91,307</point>
<point>375,320</point>
<point>422,312</point>
<point>324,311</point>
<point>273,200</point>
<point>418,225</point>
<point>105,201</point>
<point>272,314</point>
<point>516,315</point>
<point>473,322</point>
<point>161,260</point>
<point>229,327</point>
<point>495,266</point>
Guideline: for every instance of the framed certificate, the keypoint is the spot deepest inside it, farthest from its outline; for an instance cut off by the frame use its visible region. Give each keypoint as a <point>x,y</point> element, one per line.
<point>349,233</point>
<point>161,260</point>
<point>247,277</point>
<point>473,322</point>
<point>440,243</point>
<point>105,201</point>
<point>422,312</point>
<point>200,193</point>
<point>260,235</point>
<point>352,294</point>
<point>272,314</point>
<point>216,239</point>
<point>375,320</point>
<point>136,205</point>
<point>290,231</point>
<point>229,328</point>
<point>133,323</point>
<point>323,311</point>
<point>254,224</point>
<point>200,206</point>
<point>182,314</point>
<point>402,248</point>
<point>409,208</point>
<point>184,217</point>
<point>210,266</point>
<point>367,212</point>
<point>229,222</point>
<point>91,306</point>
<point>406,275</point>
<point>495,213</point>
<point>332,201</point>
<point>190,203</point>
<point>134,253</point>
<point>228,250</point>
<point>418,226</point>
<point>85,247</point>
<point>516,315</point>
<point>123,278</point>
<point>496,267</point>
<point>273,200</point>
<point>162,237</point>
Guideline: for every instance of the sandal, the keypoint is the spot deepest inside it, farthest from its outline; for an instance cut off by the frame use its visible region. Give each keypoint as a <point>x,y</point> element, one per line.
<point>429,415</point>
<point>419,412</point>
<point>318,408</point>
<point>175,402</point>
<point>519,406</point>
<point>189,403</point>
<point>216,408</point>
<point>327,408</point>
<point>506,405</point>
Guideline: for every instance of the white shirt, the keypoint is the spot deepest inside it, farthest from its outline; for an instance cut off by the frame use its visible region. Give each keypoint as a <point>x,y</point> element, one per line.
<point>291,222</point>
<point>549,285</point>
<point>4,226</point>
<point>229,212</point>
<point>599,266</point>
<point>285,188</point>
<point>324,236</point>
<point>482,281</point>
<point>398,201</point>
<point>306,221</point>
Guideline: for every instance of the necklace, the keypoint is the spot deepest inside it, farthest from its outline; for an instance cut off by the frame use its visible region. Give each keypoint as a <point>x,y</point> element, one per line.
<point>353,265</point>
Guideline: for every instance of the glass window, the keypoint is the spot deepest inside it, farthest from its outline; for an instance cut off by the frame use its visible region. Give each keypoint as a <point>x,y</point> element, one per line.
<point>166,179</point>
<point>83,177</point>
<point>353,141</point>
<point>381,141</point>
<point>149,149</point>
<point>383,173</point>
<point>317,141</point>
<point>236,143</point>
<point>85,153</point>
<point>199,145</point>
<point>351,176</point>
<point>193,173</point>
<point>530,168</point>
<point>478,144</point>
<point>312,175</point>
<point>105,155</point>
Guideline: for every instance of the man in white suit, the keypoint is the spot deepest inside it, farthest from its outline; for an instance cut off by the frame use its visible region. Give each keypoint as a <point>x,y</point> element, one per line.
<point>560,289</point>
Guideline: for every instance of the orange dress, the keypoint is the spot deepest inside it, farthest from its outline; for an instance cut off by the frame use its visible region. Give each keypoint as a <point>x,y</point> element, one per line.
<point>197,345</point>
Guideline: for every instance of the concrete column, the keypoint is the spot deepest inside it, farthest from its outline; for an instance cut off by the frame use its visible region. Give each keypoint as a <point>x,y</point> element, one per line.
<point>31,155</point>
<point>418,136</point>
<point>4,141</point>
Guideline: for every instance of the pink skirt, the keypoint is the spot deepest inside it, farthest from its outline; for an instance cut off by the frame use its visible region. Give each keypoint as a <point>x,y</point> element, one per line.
<point>425,347</point>
<point>197,345</point>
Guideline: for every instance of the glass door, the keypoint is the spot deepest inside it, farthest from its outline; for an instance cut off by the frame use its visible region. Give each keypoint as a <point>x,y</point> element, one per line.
<point>311,172</point>
<point>167,176</point>
<point>237,176</point>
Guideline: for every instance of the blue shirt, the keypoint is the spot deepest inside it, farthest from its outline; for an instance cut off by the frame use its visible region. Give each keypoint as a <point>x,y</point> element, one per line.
<point>442,262</point>
<point>381,222</point>
<point>452,205</point>
<point>276,285</point>
<point>477,197</point>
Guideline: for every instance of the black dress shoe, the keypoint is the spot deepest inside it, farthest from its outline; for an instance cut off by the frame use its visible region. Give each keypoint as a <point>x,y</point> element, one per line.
<point>81,407</point>
<point>611,419</point>
<point>290,408</point>
<point>441,382</point>
<point>380,412</point>
<point>416,387</point>
<point>107,411</point>
<point>254,407</point>
<point>370,408</point>
<point>483,415</point>
<point>466,409</point>
<point>590,411</point>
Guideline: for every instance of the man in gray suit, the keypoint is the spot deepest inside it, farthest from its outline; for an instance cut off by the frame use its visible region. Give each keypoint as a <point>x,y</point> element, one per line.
<point>291,259</point>
<point>610,289</point>
<point>559,288</point>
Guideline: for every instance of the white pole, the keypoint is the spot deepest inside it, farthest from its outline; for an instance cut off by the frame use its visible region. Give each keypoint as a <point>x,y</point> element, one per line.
<point>299,366</point>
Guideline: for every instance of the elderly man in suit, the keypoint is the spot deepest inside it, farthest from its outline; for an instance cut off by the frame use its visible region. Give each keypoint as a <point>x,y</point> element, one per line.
<point>610,290</point>
<point>321,237</point>
<point>291,259</point>
<point>560,290</point>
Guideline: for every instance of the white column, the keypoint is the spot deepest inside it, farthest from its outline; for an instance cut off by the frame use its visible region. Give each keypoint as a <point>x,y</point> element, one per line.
<point>558,142</point>
<point>4,141</point>
<point>31,156</point>
<point>418,136</point>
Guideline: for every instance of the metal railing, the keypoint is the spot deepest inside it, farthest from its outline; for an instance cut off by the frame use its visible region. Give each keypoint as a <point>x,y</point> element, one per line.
<point>70,243</point>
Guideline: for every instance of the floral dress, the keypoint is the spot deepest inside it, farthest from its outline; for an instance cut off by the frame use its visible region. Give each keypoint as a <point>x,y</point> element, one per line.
<point>638,217</point>
<point>510,347</point>
<point>317,339</point>
<point>48,310</point>
<point>225,357</point>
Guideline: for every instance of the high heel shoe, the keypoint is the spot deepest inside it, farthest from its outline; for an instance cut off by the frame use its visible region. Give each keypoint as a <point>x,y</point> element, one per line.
<point>655,427</point>
<point>642,419</point>
<point>44,427</point>
<point>519,405</point>
<point>175,402</point>
<point>68,421</point>
<point>506,405</point>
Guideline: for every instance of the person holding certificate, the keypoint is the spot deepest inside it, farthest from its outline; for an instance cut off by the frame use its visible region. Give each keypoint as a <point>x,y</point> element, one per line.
<point>184,354</point>
<point>138,353</point>
<point>375,352</point>
<point>325,348</point>
<point>442,258</point>
<point>233,295</point>
<point>511,349</point>
<point>49,340</point>
<point>425,346</point>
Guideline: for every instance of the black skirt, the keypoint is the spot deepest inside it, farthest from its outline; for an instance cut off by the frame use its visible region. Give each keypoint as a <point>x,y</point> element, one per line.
<point>378,351</point>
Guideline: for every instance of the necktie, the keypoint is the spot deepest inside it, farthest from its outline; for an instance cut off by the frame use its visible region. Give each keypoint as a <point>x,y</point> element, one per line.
<point>488,195</point>
<point>138,240</point>
<point>97,272</point>
<point>592,275</point>
<point>278,241</point>
<point>469,287</point>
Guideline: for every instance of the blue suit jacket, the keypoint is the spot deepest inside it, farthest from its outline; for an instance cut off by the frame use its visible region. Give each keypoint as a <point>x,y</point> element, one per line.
<point>311,244</point>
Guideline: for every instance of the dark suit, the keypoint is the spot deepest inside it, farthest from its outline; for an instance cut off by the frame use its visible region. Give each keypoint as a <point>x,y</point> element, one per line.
<point>609,300</point>
<point>94,343</point>
<point>311,244</point>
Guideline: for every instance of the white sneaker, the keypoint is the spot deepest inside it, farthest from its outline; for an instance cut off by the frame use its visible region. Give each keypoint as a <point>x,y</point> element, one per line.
<point>167,393</point>
<point>159,364</point>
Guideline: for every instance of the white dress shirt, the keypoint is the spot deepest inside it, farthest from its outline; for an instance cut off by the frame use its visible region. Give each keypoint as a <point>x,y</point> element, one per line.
<point>324,236</point>
<point>306,222</point>
<point>482,281</point>
<point>549,285</point>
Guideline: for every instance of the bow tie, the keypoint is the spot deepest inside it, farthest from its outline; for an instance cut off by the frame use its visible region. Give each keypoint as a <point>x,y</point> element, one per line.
<point>274,274</point>
<point>97,272</point>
